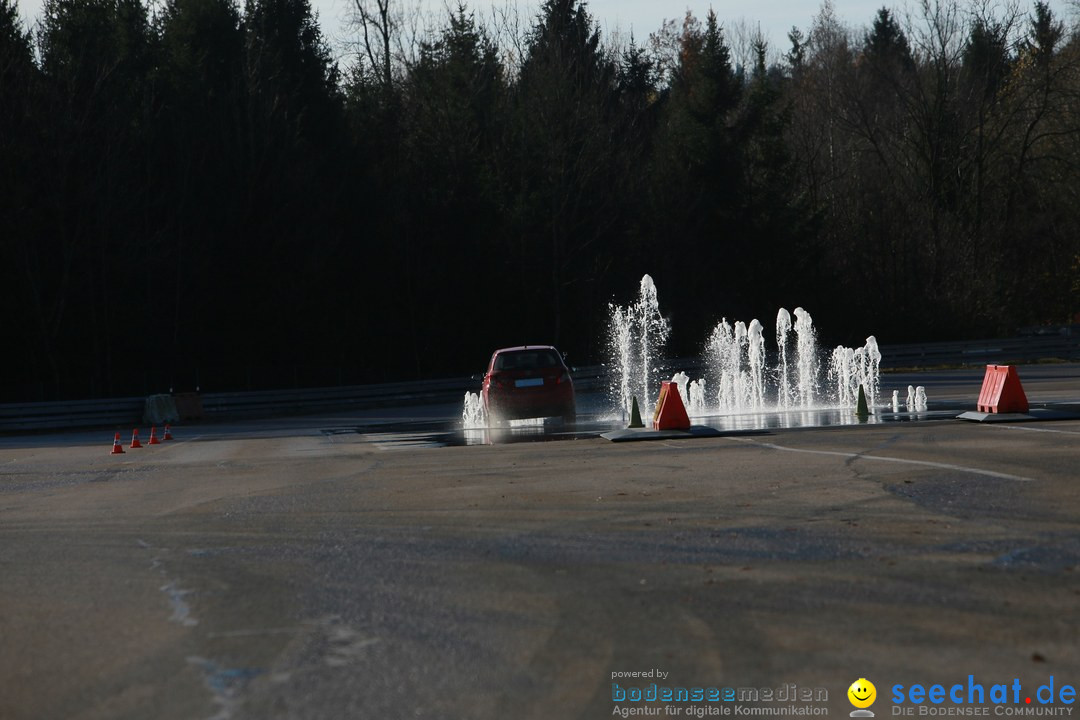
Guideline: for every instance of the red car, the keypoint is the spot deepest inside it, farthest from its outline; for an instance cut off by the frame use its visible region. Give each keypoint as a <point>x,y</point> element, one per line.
<point>528,382</point>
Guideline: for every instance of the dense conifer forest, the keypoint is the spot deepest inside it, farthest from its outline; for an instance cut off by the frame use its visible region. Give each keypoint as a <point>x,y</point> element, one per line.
<point>199,193</point>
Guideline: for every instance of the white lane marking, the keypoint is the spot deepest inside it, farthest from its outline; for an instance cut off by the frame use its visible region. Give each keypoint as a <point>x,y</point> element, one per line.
<point>1035,429</point>
<point>904,461</point>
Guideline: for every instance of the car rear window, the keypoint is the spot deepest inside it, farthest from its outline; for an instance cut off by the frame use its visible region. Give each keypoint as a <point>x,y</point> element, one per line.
<point>527,360</point>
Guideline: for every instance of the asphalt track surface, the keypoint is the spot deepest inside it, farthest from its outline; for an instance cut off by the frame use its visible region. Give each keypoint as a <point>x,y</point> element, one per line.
<point>354,567</point>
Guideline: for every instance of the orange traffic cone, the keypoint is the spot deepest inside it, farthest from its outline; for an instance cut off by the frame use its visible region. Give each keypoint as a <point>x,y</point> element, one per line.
<point>116,449</point>
<point>670,412</point>
<point>168,433</point>
<point>1002,391</point>
<point>135,439</point>
<point>153,436</point>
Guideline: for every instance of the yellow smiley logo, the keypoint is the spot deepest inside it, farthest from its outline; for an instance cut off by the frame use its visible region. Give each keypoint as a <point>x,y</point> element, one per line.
<point>862,693</point>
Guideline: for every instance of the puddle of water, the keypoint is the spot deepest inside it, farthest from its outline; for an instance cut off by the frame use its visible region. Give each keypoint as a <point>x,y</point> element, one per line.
<point>592,426</point>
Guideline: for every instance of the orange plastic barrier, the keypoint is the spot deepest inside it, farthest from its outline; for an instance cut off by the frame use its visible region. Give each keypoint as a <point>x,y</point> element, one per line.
<point>1001,391</point>
<point>670,412</point>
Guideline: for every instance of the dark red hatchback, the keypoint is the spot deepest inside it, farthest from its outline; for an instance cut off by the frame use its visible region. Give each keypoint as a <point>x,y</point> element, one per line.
<point>529,381</point>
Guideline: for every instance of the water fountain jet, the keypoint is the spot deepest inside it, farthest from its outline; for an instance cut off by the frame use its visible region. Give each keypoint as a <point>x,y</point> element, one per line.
<point>636,338</point>
<point>736,363</point>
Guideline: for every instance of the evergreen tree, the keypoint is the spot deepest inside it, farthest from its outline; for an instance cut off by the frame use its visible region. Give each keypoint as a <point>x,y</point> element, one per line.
<point>887,46</point>
<point>454,101</point>
<point>1044,36</point>
<point>199,171</point>
<point>21,185</point>
<point>697,173</point>
<point>90,257</point>
<point>292,183</point>
<point>564,176</point>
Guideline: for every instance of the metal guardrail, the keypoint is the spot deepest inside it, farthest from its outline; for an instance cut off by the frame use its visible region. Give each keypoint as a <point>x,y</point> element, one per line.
<point>285,402</point>
<point>127,412</point>
<point>1007,351</point>
<point>70,414</point>
<point>227,405</point>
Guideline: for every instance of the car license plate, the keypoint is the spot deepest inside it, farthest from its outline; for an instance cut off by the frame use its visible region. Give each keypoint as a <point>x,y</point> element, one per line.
<point>529,382</point>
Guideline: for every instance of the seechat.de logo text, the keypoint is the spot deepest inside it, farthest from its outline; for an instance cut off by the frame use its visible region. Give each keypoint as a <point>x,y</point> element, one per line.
<point>974,698</point>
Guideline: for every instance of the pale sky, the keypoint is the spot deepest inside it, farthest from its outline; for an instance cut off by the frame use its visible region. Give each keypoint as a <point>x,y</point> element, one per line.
<point>642,17</point>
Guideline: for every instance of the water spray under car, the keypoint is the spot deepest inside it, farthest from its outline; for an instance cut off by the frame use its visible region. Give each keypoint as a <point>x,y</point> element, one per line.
<point>528,381</point>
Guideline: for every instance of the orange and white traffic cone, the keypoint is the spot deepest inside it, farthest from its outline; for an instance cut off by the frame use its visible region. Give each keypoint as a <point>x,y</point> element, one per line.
<point>153,436</point>
<point>135,439</point>
<point>168,433</point>
<point>116,449</point>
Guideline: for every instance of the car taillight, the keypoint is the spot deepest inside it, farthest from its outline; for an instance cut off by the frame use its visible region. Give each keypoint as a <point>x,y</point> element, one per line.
<point>564,378</point>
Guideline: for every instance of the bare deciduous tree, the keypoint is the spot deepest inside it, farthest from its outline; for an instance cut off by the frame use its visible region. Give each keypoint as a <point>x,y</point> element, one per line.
<point>389,35</point>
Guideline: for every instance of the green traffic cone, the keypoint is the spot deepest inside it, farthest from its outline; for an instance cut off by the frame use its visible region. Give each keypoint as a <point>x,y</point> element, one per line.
<point>861,411</point>
<point>635,416</point>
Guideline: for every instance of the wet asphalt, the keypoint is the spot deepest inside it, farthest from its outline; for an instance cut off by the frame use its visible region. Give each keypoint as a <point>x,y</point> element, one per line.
<point>347,567</point>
